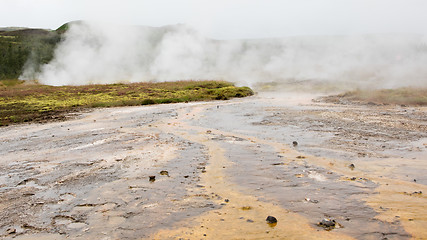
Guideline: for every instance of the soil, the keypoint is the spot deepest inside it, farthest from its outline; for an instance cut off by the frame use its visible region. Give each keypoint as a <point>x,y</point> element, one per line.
<point>230,165</point>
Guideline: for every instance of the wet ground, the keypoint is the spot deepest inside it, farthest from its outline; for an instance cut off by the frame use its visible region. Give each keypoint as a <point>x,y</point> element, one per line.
<point>218,169</point>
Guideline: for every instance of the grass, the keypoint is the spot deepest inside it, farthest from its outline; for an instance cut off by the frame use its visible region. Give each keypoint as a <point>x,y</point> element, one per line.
<point>21,102</point>
<point>399,96</point>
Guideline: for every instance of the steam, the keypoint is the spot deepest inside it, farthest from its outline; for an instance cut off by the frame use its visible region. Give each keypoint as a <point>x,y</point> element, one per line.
<point>98,53</point>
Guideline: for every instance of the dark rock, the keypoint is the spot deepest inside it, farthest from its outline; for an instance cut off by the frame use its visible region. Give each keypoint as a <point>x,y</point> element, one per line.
<point>11,230</point>
<point>163,172</point>
<point>250,220</point>
<point>276,164</point>
<point>152,178</point>
<point>295,143</point>
<point>351,166</point>
<point>226,200</point>
<point>327,222</point>
<point>271,219</point>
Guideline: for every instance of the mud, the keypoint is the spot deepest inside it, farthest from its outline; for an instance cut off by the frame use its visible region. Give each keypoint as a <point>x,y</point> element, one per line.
<point>229,164</point>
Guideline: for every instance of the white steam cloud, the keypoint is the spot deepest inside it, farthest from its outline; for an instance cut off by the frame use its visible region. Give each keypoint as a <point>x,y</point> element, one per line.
<point>99,53</point>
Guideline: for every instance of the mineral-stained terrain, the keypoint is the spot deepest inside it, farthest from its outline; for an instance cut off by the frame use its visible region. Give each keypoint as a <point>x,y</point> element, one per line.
<point>217,170</point>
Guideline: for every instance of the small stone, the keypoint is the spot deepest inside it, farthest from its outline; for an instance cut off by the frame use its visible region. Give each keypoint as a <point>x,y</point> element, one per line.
<point>152,178</point>
<point>246,208</point>
<point>351,166</point>
<point>163,172</point>
<point>326,222</point>
<point>295,143</point>
<point>11,230</point>
<point>226,200</point>
<point>250,220</point>
<point>271,219</point>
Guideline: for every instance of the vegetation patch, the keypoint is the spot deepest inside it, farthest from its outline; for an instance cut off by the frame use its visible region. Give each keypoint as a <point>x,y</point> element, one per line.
<point>23,102</point>
<point>400,96</point>
<point>25,46</point>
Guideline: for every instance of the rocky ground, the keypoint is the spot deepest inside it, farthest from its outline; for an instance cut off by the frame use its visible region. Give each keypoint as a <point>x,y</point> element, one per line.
<point>218,170</point>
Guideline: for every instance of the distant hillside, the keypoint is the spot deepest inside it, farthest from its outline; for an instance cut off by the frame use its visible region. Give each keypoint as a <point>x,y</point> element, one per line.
<point>26,32</point>
<point>19,45</point>
<point>7,29</point>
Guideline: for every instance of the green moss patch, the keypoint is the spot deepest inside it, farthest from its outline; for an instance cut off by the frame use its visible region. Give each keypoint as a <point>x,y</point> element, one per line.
<point>34,102</point>
<point>399,96</point>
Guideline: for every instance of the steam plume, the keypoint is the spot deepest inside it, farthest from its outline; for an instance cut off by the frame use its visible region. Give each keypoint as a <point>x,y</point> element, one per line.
<point>98,53</point>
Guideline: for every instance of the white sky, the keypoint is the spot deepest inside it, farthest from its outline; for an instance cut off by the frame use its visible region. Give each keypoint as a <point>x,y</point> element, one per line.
<point>227,19</point>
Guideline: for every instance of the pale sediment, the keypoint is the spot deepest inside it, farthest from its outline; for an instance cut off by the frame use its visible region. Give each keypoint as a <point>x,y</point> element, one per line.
<point>229,166</point>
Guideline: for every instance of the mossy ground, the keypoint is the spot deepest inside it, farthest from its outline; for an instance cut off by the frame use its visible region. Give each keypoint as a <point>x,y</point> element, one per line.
<point>399,96</point>
<point>20,102</point>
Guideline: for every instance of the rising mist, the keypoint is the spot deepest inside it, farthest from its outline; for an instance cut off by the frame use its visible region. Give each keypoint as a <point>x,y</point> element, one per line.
<point>99,53</point>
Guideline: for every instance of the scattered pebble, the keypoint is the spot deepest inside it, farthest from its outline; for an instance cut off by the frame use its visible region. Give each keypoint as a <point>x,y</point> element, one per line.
<point>152,178</point>
<point>245,208</point>
<point>295,143</point>
<point>271,220</point>
<point>414,193</point>
<point>250,220</point>
<point>326,222</point>
<point>329,224</point>
<point>163,172</point>
<point>351,166</point>
<point>276,164</point>
<point>311,200</point>
<point>11,230</point>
